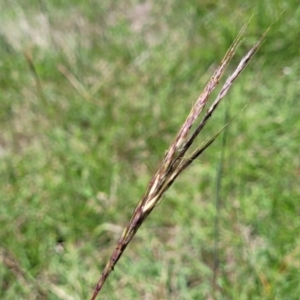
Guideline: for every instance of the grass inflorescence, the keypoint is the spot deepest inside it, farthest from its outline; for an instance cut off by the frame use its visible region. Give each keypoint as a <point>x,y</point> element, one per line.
<point>92,94</point>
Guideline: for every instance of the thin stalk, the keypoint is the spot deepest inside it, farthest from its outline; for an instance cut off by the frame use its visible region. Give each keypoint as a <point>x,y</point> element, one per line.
<point>176,158</point>
<point>217,207</point>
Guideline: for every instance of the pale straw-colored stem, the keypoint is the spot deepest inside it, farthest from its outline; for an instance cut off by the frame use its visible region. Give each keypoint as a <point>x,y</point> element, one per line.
<point>175,160</point>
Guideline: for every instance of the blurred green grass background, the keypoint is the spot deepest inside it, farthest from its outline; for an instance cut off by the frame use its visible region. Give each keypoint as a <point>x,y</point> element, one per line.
<point>81,137</point>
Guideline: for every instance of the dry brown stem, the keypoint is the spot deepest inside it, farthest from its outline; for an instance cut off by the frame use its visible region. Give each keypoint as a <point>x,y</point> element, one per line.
<point>176,158</point>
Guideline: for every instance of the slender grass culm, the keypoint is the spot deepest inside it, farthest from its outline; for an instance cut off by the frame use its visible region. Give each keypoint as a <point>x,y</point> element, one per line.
<point>176,158</point>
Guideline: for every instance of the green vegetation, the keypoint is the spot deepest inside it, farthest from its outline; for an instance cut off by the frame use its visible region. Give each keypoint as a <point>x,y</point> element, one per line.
<point>91,95</point>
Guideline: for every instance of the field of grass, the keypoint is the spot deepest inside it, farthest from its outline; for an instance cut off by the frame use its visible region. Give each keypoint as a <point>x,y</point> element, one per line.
<point>91,95</point>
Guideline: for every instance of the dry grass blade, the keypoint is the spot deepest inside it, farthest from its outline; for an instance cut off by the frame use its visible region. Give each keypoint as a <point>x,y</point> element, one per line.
<point>29,59</point>
<point>175,161</point>
<point>75,83</point>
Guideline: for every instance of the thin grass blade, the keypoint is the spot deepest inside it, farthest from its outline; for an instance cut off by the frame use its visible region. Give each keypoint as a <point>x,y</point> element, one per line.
<point>174,161</point>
